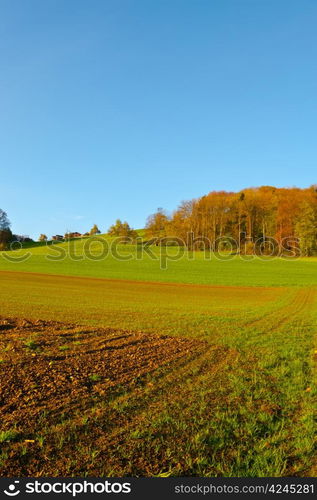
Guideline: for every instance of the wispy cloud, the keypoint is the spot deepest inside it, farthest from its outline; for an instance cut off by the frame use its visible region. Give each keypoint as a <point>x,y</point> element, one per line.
<point>77,217</point>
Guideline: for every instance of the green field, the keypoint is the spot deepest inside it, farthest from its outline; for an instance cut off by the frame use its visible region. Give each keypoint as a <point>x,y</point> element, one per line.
<point>205,368</point>
<point>181,266</point>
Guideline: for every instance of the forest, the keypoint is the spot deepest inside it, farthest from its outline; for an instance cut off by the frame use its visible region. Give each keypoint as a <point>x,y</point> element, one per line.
<point>264,219</point>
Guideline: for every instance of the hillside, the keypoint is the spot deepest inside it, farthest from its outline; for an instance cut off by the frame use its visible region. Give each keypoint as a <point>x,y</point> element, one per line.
<point>128,262</point>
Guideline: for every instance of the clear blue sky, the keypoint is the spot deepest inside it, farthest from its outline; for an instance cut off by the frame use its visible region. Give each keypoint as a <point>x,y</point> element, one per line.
<point>113,108</point>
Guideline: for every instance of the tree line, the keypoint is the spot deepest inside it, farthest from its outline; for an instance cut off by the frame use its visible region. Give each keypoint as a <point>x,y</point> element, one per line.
<point>274,220</point>
<point>265,217</point>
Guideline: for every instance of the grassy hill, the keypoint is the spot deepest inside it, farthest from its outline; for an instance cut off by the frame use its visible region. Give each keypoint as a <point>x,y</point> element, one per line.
<point>81,257</point>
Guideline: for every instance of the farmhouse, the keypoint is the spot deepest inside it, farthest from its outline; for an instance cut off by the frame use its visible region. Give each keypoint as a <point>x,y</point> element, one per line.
<point>72,235</point>
<point>57,237</point>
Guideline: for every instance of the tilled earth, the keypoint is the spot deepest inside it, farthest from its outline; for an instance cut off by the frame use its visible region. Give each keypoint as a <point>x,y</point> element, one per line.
<point>51,371</point>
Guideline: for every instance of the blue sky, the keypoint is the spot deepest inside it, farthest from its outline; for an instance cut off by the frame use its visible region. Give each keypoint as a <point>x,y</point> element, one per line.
<point>114,108</point>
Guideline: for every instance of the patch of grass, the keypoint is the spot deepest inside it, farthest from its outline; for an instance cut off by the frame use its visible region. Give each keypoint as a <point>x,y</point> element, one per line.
<point>3,458</point>
<point>31,344</point>
<point>9,435</point>
<point>94,377</point>
<point>41,440</point>
<point>64,348</point>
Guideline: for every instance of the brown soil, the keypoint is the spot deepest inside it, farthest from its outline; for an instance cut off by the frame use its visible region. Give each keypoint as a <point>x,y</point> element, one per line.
<point>53,367</point>
<point>52,375</point>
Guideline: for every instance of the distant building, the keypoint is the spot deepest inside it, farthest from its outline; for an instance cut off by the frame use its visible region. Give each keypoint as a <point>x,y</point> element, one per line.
<point>68,236</point>
<point>58,237</point>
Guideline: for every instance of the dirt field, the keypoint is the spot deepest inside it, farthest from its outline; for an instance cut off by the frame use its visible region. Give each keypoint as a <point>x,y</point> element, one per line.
<point>51,370</point>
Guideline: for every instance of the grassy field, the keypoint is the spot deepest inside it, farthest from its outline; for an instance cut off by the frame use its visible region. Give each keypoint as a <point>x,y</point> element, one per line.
<point>122,368</point>
<point>76,259</point>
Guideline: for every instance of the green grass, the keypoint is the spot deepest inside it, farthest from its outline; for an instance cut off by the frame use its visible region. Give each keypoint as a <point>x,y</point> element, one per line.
<point>188,268</point>
<point>31,344</point>
<point>94,377</point>
<point>8,436</point>
<point>173,309</point>
<point>254,415</point>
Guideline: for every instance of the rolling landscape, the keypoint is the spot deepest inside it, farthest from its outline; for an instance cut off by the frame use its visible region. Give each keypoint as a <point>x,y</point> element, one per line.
<point>158,247</point>
<point>120,368</point>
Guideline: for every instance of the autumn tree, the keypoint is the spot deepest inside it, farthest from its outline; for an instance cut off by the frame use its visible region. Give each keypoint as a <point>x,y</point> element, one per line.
<point>122,230</point>
<point>94,230</point>
<point>157,225</point>
<point>183,222</point>
<point>42,237</point>
<point>252,217</point>
<point>5,238</point>
<point>306,229</point>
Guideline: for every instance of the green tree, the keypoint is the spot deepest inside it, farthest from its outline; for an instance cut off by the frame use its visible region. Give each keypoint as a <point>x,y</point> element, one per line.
<point>5,232</point>
<point>4,221</point>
